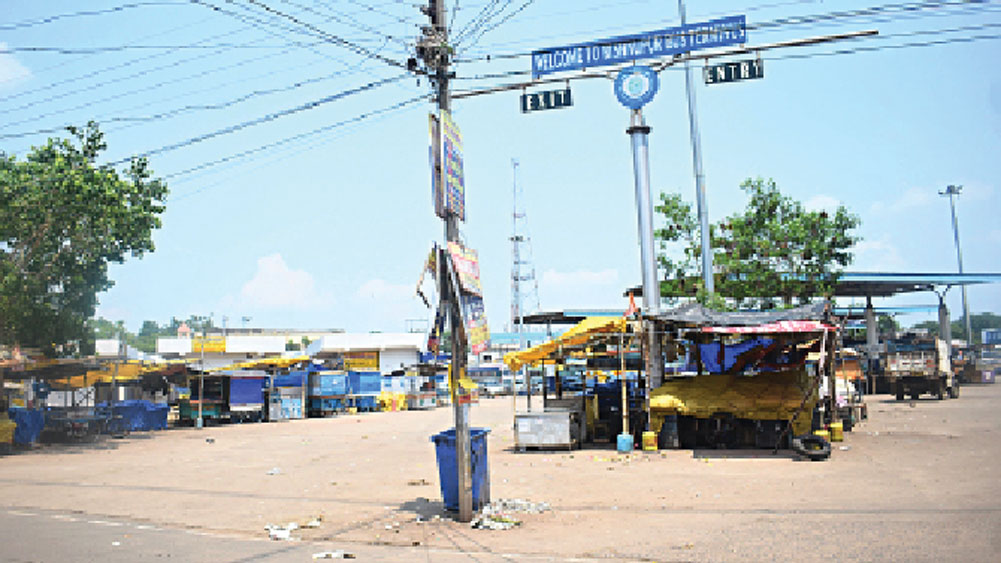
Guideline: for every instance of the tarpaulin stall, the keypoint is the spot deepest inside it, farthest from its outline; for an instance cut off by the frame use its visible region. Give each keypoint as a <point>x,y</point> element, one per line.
<point>750,382</point>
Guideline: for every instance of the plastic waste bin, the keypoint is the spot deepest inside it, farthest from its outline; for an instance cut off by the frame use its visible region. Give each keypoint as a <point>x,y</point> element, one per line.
<point>448,470</point>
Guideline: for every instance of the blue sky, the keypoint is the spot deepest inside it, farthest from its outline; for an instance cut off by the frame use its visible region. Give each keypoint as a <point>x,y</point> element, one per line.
<point>330,230</point>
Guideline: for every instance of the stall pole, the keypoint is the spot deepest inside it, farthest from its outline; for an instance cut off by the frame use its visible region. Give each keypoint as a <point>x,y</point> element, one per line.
<point>201,385</point>
<point>831,380</point>
<point>622,382</point>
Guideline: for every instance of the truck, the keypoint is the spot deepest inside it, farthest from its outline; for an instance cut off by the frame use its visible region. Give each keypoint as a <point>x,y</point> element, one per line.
<point>918,364</point>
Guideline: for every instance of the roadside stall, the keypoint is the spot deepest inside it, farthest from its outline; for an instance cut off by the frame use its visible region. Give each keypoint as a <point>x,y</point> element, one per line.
<point>563,420</point>
<point>748,380</point>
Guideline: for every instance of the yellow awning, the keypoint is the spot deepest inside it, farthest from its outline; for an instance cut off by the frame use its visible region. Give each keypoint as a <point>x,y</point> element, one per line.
<point>580,334</point>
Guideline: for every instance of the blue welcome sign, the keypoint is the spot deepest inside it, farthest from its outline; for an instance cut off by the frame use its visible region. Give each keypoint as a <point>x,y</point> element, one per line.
<point>722,32</point>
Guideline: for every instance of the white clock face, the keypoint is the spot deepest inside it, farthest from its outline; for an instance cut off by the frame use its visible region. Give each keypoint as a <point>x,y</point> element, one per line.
<point>637,85</point>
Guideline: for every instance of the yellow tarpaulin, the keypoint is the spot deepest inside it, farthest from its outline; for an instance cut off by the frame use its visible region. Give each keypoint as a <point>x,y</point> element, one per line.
<point>764,396</point>
<point>580,334</point>
<point>260,363</point>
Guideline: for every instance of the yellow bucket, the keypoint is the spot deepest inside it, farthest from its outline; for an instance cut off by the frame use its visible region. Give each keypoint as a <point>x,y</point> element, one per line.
<point>837,432</point>
<point>352,410</point>
<point>649,441</point>
<point>823,434</point>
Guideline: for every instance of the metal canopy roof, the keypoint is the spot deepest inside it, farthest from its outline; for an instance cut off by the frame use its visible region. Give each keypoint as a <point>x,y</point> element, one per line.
<point>886,284</point>
<point>569,316</point>
<point>850,284</point>
<point>882,284</point>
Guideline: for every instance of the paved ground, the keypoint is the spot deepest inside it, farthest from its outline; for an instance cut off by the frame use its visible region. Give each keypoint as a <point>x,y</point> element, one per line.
<point>917,482</point>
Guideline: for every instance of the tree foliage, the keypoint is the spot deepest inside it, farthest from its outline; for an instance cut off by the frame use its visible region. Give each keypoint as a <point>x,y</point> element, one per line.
<point>775,250</point>
<point>978,322</point>
<point>63,218</point>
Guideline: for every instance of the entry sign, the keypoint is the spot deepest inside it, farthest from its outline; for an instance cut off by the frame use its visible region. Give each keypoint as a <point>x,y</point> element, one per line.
<point>552,99</point>
<point>734,72</point>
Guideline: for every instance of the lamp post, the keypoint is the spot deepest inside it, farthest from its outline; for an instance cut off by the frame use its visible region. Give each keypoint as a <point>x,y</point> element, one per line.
<point>951,191</point>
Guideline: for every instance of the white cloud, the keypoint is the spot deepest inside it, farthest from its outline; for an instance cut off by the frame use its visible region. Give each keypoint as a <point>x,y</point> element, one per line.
<point>11,70</point>
<point>580,277</point>
<point>276,286</point>
<point>384,291</point>
<point>580,289</point>
<point>908,201</point>
<point>877,256</point>
<point>821,202</point>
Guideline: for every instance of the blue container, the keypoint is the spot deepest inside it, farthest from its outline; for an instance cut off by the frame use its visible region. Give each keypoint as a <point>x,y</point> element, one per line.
<point>448,469</point>
<point>624,443</point>
<point>366,402</point>
<point>365,382</point>
<point>29,424</point>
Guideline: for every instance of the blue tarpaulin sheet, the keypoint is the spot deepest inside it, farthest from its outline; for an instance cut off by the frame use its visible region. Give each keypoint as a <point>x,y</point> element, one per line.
<point>29,424</point>
<point>294,379</point>
<point>710,353</point>
<point>135,415</point>
<point>246,390</point>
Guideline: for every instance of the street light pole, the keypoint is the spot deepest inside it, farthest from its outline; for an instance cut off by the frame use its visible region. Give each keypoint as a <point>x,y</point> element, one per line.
<point>700,177</point>
<point>951,191</point>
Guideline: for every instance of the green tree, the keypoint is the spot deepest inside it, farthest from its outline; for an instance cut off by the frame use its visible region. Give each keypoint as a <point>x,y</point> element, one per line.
<point>63,218</point>
<point>978,322</point>
<point>774,250</point>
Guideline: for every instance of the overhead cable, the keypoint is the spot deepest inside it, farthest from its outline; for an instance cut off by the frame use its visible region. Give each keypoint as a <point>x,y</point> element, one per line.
<point>50,19</point>
<point>296,137</point>
<point>266,118</point>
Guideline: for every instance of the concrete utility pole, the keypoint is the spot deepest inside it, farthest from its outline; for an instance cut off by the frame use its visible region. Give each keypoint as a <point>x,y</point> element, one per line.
<point>954,191</point>
<point>434,49</point>
<point>700,178</point>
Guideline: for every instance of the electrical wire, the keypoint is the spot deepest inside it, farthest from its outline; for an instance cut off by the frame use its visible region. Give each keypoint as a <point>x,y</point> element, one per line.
<point>290,139</point>
<point>510,15</point>
<point>186,109</point>
<point>266,118</point>
<point>74,79</point>
<point>884,10</point>
<point>353,47</point>
<point>120,48</point>
<point>57,17</point>
<point>353,23</point>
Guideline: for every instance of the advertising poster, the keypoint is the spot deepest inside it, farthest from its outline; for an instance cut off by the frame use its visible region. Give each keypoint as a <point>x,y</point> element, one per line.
<point>467,268</point>
<point>451,162</point>
<point>475,316</point>
<point>434,160</point>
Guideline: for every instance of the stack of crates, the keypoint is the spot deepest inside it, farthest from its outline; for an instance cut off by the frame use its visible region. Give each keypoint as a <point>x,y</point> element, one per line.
<point>327,392</point>
<point>363,390</point>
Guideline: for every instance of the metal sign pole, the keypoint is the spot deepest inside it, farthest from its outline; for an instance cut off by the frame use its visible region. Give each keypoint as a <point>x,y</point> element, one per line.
<point>700,177</point>
<point>639,133</point>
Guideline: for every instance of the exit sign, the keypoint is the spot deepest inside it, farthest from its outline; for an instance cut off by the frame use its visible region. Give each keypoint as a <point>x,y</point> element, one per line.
<point>552,99</point>
<point>734,72</point>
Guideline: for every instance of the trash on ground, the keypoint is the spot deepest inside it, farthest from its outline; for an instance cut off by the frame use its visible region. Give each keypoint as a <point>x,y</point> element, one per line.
<point>845,448</point>
<point>281,533</point>
<point>275,471</point>
<point>418,482</point>
<point>314,523</point>
<point>210,440</point>
<point>497,515</point>
<point>339,554</point>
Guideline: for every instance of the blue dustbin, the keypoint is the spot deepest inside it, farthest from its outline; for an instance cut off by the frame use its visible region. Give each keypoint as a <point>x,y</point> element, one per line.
<point>448,470</point>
